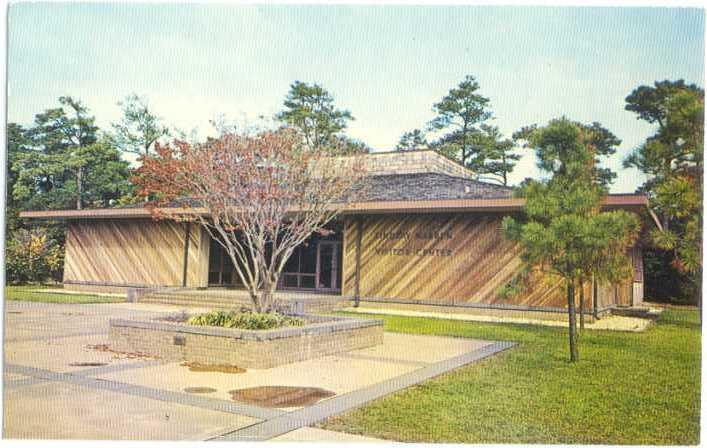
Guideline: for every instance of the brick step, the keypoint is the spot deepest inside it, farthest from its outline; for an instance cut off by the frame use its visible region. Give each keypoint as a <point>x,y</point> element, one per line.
<point>194,302</point>
<point>185,300</point>
<point>194,296</point>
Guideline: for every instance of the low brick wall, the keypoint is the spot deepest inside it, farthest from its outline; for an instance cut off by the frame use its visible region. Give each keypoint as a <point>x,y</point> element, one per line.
<point>260,349</point>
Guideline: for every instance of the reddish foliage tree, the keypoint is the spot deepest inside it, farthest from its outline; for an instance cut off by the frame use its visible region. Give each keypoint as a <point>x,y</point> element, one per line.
<point>259,196</point>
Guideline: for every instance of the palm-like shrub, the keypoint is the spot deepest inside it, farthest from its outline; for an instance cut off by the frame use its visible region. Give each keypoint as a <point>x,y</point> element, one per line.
<point>32,256</point>
<point>245,320</point>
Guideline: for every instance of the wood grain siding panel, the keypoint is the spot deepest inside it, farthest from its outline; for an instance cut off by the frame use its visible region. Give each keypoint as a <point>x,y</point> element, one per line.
<point>132,252</point>
<point>445,258</point>
<point>200,267</point>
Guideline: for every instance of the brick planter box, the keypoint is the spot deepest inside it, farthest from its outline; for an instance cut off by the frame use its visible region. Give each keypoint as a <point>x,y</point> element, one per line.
<point>256,349</point>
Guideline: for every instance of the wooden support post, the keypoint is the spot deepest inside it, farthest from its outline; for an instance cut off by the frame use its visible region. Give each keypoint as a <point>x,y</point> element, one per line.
<point>595,298</point>
<point>186,254</point>
<point>359,236</point>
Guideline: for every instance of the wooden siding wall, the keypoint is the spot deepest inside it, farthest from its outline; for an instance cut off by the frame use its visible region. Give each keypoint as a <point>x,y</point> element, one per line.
<point>447,259</point>
<point>134,252</point>
<point>198,269</point>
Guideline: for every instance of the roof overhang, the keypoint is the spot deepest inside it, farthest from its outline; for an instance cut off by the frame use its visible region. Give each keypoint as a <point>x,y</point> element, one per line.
<point>107,213</point>
<point>634,202</point>
<point>622,201</point>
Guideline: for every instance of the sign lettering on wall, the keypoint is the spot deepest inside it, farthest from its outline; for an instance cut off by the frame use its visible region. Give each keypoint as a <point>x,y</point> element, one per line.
<point>407,243</point>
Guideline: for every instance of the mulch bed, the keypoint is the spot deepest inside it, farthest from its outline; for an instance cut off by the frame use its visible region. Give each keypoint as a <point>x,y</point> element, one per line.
<point>120,355</point>
<point>220,368</point>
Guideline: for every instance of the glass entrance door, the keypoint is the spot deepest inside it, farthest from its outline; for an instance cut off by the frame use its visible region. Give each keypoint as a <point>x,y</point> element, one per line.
<point>301,269</point>
<point>314,266</point>
<point>327,265</point>
<point>221,270</point>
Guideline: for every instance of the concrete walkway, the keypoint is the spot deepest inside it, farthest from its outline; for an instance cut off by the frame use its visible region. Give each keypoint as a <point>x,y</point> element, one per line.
<point>50,393</point>
<point>613,323</point>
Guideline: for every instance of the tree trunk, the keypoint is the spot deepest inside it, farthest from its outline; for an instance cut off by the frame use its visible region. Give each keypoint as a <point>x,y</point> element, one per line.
<point>505,170</point>
<point>267,295</point>
<point>464,152</point>
<point>581,306</point>
<point>256,299</point>
<point>595,299</point>
<point>79,187</point>
<point>574,355</point>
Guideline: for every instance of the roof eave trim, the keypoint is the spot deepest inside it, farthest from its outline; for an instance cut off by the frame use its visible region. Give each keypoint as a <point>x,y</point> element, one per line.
<point>108,213</point>
<point>440,206</point>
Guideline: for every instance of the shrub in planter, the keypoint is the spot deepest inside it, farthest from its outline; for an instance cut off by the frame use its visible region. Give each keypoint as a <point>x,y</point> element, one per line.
<point>245,320</point>
<point>32,256</point>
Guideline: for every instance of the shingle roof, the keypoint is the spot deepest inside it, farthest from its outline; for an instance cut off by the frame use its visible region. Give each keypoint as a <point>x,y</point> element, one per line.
<point>430,186</point>
<point>394,193</point>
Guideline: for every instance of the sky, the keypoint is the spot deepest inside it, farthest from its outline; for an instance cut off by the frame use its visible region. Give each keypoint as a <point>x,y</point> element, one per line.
<point>386,64</point>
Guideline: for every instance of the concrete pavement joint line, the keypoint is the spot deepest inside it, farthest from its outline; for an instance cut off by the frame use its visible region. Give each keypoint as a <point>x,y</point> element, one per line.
<point>87,372</point>
<point>12,384</point>
<point>309,415</point>
<point>147,392</point>
<point>382,359</point>
<point>118,367</point>
<point>51,338</point>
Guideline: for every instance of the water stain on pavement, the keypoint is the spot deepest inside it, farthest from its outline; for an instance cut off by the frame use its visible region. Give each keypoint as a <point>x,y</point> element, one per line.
<point>88,364</point>
<point>199,390</point>
<point>280,396</point>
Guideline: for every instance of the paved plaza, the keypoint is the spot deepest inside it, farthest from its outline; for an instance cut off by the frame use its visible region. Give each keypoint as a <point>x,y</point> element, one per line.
<point>62,381</point>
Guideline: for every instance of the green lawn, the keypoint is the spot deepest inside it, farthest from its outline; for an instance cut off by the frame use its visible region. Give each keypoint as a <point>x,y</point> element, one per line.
<point>28,293</point>
<point>628,388</point>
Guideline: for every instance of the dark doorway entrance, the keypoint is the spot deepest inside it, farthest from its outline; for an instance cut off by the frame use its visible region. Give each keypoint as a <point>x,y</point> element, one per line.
<point>328,271</point>
<point>221,270</point>
<point>316,265</point>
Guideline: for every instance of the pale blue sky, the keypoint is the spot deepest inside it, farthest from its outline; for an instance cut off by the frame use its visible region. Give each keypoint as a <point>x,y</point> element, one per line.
<point>387,64</point>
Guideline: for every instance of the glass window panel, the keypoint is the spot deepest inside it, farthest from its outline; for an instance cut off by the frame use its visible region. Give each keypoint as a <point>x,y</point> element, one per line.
<point>326,257</point>
<point>306,281</point>
<point>292,264</point>
<point>308,259</point>
<point>214,255</point>
<point>290,281</point>
<point>227,263</point>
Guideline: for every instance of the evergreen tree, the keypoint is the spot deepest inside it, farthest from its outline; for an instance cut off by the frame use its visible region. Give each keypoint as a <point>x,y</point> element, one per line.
<point>564,233</point>
<point>496,156</point>
<point>139,128</point>
<point>310,109</point>
<point>673,159</point>
<point>412,141</point>
<point>18,144</point>
<point>64,165</point>
<point>458,114</point>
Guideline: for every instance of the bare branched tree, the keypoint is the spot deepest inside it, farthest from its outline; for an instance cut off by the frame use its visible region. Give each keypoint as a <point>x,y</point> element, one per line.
<point>259,196</point>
